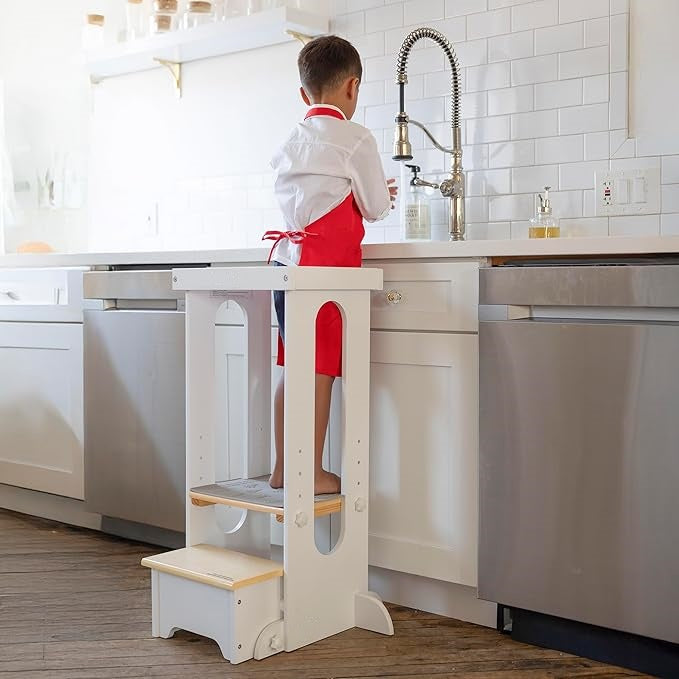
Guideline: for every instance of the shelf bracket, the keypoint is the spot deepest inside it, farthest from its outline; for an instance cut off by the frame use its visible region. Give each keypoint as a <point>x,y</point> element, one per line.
<point>304,39</point>
<point>175,69</point>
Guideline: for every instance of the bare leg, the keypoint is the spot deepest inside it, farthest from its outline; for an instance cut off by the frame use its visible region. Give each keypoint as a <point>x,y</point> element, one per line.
<point>324,482</point>
<point>276,480</point>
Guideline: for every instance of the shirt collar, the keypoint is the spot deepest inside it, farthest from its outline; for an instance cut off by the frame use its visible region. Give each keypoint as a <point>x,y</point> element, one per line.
<point>325,110</point>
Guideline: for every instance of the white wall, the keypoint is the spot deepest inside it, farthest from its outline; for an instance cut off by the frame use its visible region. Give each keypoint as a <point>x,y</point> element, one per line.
<point>545,102</point>
<point>46,108</point>
<point>653,77</point>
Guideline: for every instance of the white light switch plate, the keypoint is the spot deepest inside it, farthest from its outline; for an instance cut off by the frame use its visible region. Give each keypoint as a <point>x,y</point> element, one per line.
<point>628,192</point>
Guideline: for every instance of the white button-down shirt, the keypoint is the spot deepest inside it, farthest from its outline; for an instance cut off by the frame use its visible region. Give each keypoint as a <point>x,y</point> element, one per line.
<point>324,160</point>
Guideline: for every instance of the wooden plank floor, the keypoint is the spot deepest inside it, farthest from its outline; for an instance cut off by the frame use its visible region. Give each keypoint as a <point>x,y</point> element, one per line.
<point>75,604</point>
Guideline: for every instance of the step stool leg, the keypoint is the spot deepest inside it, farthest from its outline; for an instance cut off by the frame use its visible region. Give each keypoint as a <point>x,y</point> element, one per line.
<point>372,614</point>
<point>159,627</point>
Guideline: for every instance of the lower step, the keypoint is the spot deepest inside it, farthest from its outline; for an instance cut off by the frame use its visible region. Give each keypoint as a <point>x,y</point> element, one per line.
<point>218,593</point>
<point>256,495</point>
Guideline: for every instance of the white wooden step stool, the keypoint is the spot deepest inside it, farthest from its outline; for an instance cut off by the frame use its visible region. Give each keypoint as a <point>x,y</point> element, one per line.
<point>204,587</point>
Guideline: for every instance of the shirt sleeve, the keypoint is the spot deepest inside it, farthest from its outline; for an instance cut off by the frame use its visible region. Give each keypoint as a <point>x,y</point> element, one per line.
<point>368,182</point>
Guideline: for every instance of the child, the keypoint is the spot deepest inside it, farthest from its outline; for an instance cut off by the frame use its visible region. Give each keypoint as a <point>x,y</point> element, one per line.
<point>328,178</point>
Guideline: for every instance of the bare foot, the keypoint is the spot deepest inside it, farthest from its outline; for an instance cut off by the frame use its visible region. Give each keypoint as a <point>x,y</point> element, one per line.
<point>276,478</point>
<point>326,483</point>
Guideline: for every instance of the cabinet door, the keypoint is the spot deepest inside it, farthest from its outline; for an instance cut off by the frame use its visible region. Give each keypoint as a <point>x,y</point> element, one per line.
<point>423,454</point>
<point>41,407</point>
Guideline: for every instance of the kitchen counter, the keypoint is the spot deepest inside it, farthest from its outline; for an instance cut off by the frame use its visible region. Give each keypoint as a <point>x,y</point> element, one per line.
<point>472,249</point>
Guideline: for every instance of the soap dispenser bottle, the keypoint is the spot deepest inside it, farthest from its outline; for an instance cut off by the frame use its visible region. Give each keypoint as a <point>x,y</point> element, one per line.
<point>416,219</point>
<point>543,225</point>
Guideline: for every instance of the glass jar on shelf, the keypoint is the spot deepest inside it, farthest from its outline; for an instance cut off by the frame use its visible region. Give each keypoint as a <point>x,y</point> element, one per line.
<point>93,31</point>
<point>136,19</point>
<point>164,17</point>
<point>198,13</point>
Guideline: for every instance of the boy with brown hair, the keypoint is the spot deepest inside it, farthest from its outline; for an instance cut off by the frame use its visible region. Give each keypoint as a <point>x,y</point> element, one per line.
<point>328,179</point>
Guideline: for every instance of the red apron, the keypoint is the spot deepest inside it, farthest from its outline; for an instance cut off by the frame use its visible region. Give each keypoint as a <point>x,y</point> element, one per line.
<point>333,240</point>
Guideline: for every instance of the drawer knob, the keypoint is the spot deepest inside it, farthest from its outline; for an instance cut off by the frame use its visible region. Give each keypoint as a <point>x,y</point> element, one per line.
<point>10,294</point>
<point>394,297</point>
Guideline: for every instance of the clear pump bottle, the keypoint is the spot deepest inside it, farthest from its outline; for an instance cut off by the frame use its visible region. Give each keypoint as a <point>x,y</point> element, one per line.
<point>415,216</point>
<point>544,225</point>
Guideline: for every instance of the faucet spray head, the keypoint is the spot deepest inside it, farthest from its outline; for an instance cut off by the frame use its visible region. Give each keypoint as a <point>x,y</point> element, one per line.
<point>402,147</point>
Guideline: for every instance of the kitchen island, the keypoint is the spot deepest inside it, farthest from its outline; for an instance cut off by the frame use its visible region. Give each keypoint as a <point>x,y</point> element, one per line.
<point>424,398</point>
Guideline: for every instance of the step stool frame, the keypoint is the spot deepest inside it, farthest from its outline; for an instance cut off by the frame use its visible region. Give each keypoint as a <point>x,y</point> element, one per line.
<point>323,594</point>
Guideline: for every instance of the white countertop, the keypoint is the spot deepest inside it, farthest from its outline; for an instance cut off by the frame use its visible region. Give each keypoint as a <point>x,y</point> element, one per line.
<point>472,249</point>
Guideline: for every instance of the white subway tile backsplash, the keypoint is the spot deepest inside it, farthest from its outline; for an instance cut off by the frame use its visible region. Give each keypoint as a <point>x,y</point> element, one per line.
<point>455,29</point>
<point>488,77</point>
<point>519,230</point>
<point>535,15</point>
<point>383,18</point>
<point>486,130</point>
<point>475,157</point>
<point>619,105</point>
<point>559,38</point>
<point>510,208</point>
<point>637,225</point>
<point>558,94</point>
<point>425,110</point>
<point>567,204</point>
<point>597,146</point>
<point>651,162</point>
<point>369,45</point>
<point>582,63</point>
<point>584,227</point>
<point>474,105</point>
<point>350,25</point>
<point>488,182</point>
<point>534,179</point>
<point>669,225</point>
<point>357,5</point>
<point>512,154</point>
<point>534,125</point>
<point>472,53</point>
<point>595,89</point>
<point>371,93</point>
<point>559,149</point>
<point>460,7</point>
<point>619,6</point>
<point>534,70</point>
<point>511,46</point>
<point>573,176</point>
<point>488,24</point>
<point>670,170</point>
<point>476,209</point>
<point>619,42</point>
<point>597,32</point>
<point>421,11</point>
<point>578,119</point>
<point>578,10</point>
<point>510,100</point>
<point>628,148</point>
<point>379,117</point>
<point>670,198</point>
<point>496,4</point>
<point>489,231</point>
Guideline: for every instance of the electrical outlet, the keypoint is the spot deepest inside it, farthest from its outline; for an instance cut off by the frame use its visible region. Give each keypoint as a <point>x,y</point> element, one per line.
<point>628,192</point>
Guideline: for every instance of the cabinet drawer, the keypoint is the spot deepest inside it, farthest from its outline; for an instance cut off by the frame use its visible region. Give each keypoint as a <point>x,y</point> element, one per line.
<point>431,296</point>
<point>41,294</point>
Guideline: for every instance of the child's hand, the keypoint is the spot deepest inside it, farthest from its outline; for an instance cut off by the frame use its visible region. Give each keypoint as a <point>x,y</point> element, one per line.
<point>393,190</point>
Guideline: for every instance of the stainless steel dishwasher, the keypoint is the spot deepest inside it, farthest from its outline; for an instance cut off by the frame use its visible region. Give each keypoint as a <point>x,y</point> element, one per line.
<point>134,397</point>
<point>579,443</point>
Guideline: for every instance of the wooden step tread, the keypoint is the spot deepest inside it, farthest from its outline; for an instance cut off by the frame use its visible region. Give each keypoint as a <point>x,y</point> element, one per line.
<point>257,495</point>
<point>215,566</point>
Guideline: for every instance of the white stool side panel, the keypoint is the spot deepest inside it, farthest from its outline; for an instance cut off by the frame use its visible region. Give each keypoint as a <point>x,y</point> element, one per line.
<point>320,589</point>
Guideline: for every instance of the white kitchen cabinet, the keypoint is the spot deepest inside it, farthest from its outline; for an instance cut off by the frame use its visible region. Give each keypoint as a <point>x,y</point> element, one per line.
<point>41,407</point>
<point>424,454</point>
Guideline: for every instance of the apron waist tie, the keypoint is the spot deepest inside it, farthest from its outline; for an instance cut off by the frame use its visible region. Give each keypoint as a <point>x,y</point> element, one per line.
<point>277,236</point>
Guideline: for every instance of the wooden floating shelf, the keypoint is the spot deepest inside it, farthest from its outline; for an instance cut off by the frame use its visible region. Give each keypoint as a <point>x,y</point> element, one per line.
<point>215,566</point>
<point>256,495</point>
<point>271,27</point>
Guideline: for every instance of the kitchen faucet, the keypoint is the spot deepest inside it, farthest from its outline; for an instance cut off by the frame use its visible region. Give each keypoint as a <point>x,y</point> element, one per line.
<point>453,187</point>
